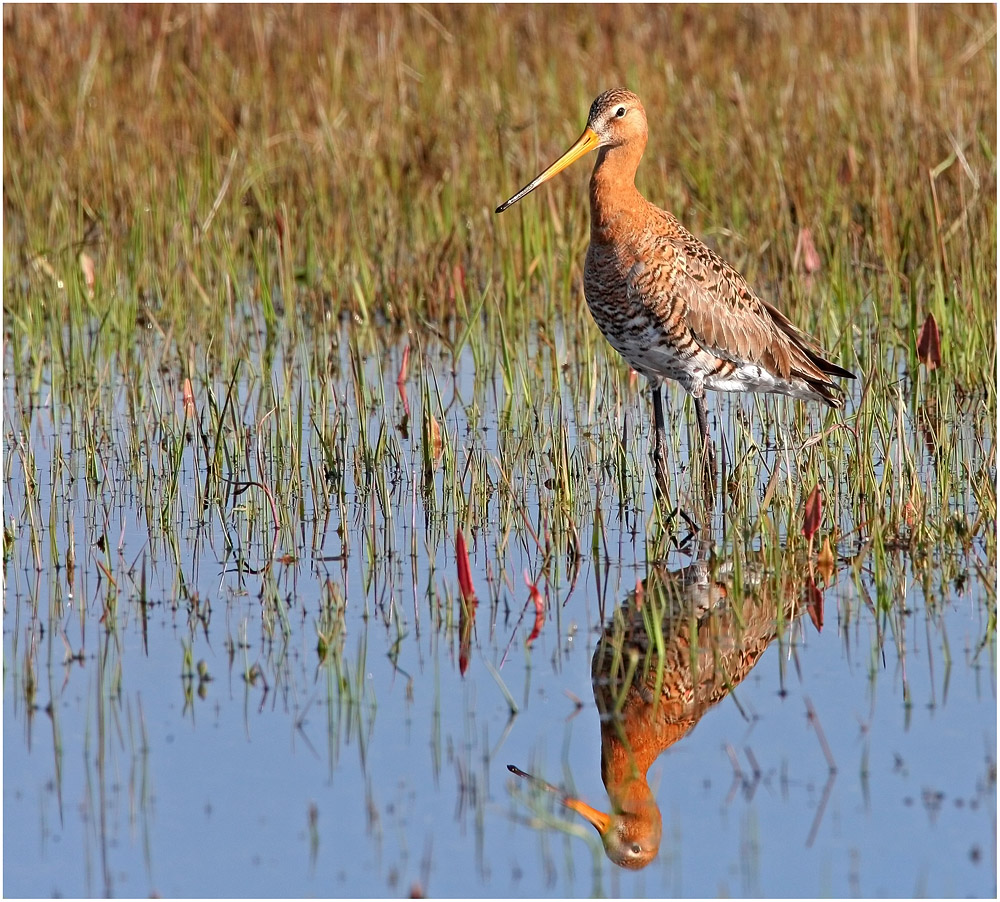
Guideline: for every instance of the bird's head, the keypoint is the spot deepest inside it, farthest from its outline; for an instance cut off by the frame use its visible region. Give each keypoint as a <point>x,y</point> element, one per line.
<point>616,119</point>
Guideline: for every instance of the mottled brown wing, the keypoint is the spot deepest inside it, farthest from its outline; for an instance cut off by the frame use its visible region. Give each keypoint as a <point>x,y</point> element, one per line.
<point>728,318</point>
<point>725,315</point>
<point>688,286</point>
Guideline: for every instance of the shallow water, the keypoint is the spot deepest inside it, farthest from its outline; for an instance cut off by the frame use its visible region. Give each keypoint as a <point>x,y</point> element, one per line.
<point>173,724</point>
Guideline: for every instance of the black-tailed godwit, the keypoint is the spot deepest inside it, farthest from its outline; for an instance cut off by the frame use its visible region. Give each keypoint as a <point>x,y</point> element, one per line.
<point>671,306</point>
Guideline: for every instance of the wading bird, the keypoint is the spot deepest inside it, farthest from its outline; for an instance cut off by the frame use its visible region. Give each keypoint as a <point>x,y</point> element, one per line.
<point>671,306</point>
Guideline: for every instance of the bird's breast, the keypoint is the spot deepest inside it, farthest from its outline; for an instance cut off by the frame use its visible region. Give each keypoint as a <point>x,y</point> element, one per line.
<point>634,303</point>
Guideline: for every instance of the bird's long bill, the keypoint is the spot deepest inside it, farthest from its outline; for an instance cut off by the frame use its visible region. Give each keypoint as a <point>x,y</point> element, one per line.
<point>598,818</point>
<point>585,143</point>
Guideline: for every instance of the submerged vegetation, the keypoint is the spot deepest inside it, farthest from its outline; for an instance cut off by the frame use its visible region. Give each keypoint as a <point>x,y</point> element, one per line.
<point>265,338</point>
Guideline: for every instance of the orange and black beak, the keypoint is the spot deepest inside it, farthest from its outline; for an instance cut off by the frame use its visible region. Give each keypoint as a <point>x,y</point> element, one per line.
<point>599,819</point>
<point>584,144</point>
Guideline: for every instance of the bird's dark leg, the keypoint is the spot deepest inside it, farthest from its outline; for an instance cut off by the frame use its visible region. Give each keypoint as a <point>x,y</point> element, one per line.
<point>660,463</point>
<point>707,446</point>
<point>659,437</point>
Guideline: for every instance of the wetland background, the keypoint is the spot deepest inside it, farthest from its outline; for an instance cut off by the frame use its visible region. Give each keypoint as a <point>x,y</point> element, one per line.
<point>280,391</point>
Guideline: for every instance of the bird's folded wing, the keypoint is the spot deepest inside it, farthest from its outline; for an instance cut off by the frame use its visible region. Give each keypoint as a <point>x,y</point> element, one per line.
<point>715,304</point>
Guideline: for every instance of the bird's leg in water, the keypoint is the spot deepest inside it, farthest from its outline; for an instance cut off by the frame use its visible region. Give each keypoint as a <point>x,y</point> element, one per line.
<point>659,437</point>
<point>707,446</point>
<point>660,463</point>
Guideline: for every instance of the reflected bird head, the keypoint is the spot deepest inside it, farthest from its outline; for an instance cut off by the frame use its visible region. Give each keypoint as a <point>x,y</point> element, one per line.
<point>631,836</point>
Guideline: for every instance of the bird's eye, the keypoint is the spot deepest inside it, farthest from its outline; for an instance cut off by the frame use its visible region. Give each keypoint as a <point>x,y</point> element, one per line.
<point>620,112</point>
<point>636,848</point>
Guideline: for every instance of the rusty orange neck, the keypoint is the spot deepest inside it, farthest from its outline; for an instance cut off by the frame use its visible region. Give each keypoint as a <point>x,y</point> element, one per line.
<point>612,188</point>
<point>628,748</point>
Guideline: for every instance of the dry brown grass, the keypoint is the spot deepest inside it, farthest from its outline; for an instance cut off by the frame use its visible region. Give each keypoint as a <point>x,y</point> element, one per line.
<point>372,143</point>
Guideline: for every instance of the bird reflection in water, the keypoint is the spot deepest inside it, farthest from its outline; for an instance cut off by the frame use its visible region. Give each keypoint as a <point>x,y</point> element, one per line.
<point>675,648</point>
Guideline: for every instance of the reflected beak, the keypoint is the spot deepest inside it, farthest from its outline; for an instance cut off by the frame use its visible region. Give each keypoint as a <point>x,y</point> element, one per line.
<point>598,818</point>
<point>584,144</point>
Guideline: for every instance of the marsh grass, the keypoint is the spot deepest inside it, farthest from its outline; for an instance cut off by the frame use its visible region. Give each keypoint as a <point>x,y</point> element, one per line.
<point>347,160</point>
